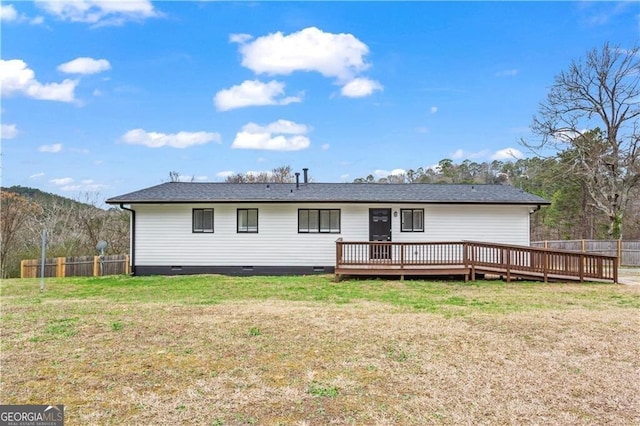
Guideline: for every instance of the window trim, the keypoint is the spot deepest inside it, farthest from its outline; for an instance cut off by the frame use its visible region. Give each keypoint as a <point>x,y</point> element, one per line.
<point>319,229</point>
<point>412,228</point>
<point>246,231</point>
<point>203,230</point>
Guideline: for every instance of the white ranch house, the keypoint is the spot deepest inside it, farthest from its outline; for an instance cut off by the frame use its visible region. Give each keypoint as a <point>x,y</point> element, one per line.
<point>291,228</point>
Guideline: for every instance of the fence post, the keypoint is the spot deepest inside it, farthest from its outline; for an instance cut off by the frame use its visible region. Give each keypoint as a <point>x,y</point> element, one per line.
<point>60,265</point>
<point>126,265</point>
<point>22,268</point>
<point>96,267</point>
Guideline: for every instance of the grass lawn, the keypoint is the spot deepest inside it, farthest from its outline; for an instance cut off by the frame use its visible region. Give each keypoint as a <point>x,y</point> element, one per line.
<point>216,350</point>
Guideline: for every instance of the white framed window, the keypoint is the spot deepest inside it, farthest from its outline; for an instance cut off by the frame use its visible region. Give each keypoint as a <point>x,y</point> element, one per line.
<point>248,221</point>
<point>312,221</point>
<point>412,220</point>
<point>202,221</point>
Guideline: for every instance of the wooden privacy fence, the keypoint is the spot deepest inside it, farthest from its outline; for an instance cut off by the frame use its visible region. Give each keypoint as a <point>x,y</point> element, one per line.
<point>628,252</point>
<point>77,266</point>
<point>471,258</point>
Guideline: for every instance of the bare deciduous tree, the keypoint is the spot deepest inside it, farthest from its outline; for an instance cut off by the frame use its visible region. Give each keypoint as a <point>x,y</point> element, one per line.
<point>591,113</point>
<point>15,211</point>
<point>282,174</point>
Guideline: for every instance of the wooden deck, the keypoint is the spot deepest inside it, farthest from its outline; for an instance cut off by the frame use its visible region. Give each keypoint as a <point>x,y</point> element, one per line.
<point>469,259</point>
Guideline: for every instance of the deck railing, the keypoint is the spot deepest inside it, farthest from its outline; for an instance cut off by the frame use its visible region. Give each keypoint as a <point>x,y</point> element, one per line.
<point>474,257</point>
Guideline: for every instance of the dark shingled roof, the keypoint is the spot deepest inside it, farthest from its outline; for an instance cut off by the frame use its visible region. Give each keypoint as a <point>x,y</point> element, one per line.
<point>198,192</point>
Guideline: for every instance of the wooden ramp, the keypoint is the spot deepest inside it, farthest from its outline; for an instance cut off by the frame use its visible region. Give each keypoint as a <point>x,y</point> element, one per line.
<point>468,259</point>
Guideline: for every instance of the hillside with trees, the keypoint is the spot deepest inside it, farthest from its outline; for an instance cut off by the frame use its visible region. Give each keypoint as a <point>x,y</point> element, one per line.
<point>73,227</point>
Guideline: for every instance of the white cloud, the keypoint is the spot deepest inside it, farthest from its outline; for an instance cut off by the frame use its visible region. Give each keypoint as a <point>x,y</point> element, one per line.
<point>225,174</point>
<point>507,154</point>
<point>360,87</point>
<point>240,38</point>
<point>85,66</point>
<point>384,173</point>
<point>460,154</point>
<point>325,147</point>
<point>8,13</point>
<point>17,78</point>
<point>311,49</point>
<point>99,12</point>
<point>280,126</point>
<point>70,184</point>
<point>507,73</point>
<point>62,181</point>
<point>56,147</point>
<point>8,131</point>
<point>433,109</point>
<point>281,135</point>
<point>252,93</point>
<point>175,140</point>
<point>36,176</point>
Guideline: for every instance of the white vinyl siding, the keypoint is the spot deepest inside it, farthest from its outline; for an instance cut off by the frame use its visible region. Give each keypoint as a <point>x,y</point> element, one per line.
<point>164,232</point>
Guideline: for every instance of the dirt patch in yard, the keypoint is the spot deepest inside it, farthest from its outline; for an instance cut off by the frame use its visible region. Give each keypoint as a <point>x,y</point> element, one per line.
<point>278,362</point>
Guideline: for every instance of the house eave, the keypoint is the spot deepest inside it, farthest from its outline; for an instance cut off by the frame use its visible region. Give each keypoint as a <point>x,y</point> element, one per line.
<point>521,203</point>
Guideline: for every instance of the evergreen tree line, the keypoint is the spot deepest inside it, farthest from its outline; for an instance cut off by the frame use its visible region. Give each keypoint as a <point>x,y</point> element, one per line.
<point>573,214</point>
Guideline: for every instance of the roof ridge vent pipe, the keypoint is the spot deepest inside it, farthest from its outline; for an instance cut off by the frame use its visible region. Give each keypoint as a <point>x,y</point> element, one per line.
<point>297,180</point>
<point>306,175</point>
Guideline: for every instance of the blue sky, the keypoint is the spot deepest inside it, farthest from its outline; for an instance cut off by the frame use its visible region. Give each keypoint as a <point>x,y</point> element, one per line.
<point>109,97</point>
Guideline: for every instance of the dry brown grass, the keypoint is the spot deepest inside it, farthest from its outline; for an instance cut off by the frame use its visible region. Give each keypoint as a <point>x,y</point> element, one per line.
<point>277,362</point>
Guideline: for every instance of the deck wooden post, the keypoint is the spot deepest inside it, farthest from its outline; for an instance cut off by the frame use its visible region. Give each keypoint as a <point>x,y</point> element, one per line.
<point>582,260</point>
<point>508,253</point>
<point>472,249</point>
<point>338,258</point>
<point>545,264</point>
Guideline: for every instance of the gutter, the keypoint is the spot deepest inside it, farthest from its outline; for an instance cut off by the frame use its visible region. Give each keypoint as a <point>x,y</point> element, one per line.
<point>133,238</point>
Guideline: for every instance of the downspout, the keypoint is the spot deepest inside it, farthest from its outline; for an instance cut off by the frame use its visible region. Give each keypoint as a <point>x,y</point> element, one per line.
<point>133,238</point>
